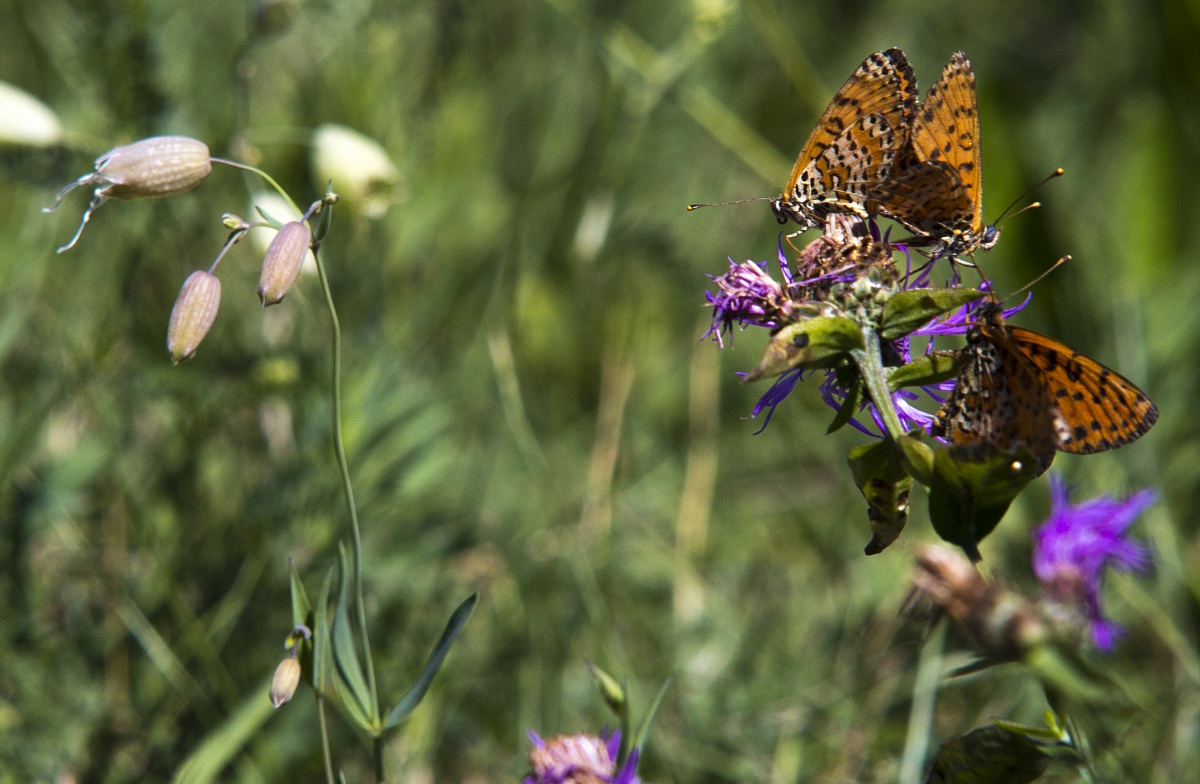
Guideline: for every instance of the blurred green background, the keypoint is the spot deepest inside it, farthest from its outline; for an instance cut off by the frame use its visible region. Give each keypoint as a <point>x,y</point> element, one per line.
<point>531,413</point>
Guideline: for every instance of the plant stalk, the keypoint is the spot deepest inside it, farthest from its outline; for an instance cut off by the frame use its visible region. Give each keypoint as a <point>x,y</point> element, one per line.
<point>870,367</point>
<point>340,448</point>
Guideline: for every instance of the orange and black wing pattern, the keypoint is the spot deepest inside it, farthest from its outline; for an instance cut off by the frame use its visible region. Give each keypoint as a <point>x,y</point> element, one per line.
<point>1098,408</point>
<point>935,188</point>
<point>852,148</point>
<point>1018,387</point>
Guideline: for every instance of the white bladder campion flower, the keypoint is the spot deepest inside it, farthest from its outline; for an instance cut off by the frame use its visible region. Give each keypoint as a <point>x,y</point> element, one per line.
<point>25,120</point>
<point>359,168</point>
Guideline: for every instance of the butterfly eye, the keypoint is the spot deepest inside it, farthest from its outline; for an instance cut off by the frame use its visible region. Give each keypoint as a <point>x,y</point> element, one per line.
<point>990,235</point>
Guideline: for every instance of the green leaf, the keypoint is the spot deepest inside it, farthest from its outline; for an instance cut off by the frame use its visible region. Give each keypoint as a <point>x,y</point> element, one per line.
<point>918,457</point>
<point>974,667</point>
<point>223,743</point>
<point>989,755</point>
<point>878,470</point>
<point>413,697</point>
<point>322,653</point>
<point>815,342</point>
<point>358,714</point>
<point>345,655</point>
<point>930,369</point>
<point>301,608</point>
<point>610,690</point>
<point>910,310</point>
<point>848,408</point>
<point>971,489</point>
<point>644,729</point>
<point>1061,669</point>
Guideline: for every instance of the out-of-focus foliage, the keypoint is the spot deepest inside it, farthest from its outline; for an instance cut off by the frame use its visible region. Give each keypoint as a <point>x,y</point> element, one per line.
<point>530,412</point>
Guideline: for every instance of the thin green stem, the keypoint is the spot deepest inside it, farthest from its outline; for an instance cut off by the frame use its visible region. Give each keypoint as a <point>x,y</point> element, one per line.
<point>924,699</point>
<point>340,448</point>
<point>377,753</point>
<point>870,366</point>
<point>270,181</point>
<point>325,739</point>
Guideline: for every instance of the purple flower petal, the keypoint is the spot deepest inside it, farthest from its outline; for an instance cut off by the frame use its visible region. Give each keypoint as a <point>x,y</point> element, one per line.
<point>1077,542</point>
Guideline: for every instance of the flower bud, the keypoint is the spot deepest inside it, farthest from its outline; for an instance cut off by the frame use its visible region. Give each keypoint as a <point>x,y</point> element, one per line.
<point>282,262</point>
<point>358,167</point>
<point>287,678</point>
<point>154,168</point>
<point>274,208</point>
<point>26,120</point>
<point>193,315</point>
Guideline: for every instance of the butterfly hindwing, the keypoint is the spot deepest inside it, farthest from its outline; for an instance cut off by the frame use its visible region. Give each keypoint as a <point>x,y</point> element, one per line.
<point>999,398</point>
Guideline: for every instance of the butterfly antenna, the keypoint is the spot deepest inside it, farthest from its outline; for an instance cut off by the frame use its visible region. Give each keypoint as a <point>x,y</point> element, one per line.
<point>1038,279</point>
<point>1008,211</point>
<point>691,207</point>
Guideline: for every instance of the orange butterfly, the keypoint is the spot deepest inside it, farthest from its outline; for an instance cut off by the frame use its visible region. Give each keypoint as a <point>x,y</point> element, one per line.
<point>935,189</point>
<point>1018,387</point>
<point>852,148</point>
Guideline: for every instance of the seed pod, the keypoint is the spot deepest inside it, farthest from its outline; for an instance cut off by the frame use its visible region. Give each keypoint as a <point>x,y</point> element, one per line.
<point>154,168</point>
<point>282,262</point>
<point>287,678</point>
<point>193,315</point>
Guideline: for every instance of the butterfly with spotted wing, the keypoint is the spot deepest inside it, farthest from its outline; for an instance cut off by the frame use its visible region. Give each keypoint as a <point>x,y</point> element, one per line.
<point>935,188</point>
<point>1018,387</point>
<point>854,144</point>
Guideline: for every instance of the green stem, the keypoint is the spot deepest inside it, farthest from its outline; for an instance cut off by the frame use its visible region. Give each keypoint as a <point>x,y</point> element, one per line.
<point>870,366</point>
<point>340,448</point>
<point>325,739</point>
<point>924,699</point>
<point>270,181</point>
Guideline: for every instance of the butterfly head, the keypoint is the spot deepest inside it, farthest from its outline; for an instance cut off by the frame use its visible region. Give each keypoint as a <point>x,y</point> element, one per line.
<point>780,208</point>
<point>989,237</point>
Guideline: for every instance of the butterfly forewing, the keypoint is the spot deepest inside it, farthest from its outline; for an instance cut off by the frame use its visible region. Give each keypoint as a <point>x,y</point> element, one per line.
<point>852,148</point>
<point>1018,387</point>
<point>1099,408</point>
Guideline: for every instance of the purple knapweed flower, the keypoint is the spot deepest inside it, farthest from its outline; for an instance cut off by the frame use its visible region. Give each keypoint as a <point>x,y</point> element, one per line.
<point>1075,544</point>
<point>911,417</point>
<point>747,295</point>
<point>580,759</point>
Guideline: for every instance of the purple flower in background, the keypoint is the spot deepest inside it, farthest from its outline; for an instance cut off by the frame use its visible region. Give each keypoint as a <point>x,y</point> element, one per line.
<point>1075,544</point>
<point>580,759</point>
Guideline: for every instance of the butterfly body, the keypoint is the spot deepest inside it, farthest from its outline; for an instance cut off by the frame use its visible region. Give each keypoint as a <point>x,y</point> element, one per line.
<point>854,144</point>
<point>935,188</point>
<point>1018,387</point>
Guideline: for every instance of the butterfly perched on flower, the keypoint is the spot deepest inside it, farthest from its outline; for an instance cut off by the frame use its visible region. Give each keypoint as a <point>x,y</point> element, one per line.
<point>935,187</point>
<point>852,148</point>
<point>1017,387</point>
